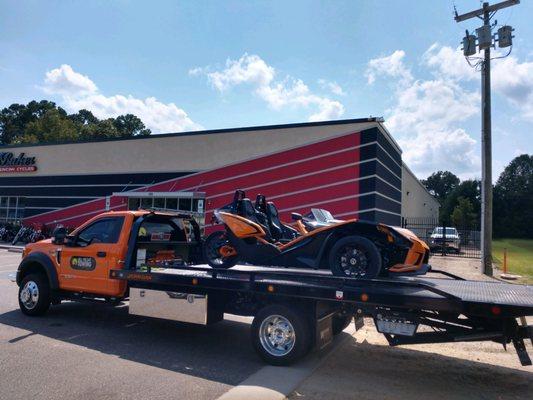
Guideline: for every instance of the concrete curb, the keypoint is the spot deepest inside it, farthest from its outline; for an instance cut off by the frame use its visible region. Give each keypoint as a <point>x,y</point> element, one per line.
<point>276,383</point>
<point>13,249</point>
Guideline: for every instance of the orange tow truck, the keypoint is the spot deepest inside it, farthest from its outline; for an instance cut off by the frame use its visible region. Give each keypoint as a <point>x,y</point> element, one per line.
<point>153,260</point>
<point>77,266</point>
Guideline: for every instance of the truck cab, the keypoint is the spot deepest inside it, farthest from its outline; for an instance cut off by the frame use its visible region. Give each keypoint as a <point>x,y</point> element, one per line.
<point>78,265</point>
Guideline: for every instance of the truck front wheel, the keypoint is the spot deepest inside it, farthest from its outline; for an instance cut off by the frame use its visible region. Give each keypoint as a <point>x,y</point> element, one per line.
<point>34,295</point>
<point>280,335</point>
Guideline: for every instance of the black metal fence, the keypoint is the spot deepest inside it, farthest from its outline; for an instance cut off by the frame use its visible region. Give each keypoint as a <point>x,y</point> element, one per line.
<point>456,241</point>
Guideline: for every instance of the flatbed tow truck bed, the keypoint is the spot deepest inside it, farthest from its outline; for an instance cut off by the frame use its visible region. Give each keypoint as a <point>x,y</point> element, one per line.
<point>436,308</point>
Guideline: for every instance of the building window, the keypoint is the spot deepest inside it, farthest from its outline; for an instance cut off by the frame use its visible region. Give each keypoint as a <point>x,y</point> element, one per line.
<point>147,202</point>
<point>159,203</point>
<point>185,204</point>
<point>12,209</point>
<point>133,203</point>
<point>172,204</point>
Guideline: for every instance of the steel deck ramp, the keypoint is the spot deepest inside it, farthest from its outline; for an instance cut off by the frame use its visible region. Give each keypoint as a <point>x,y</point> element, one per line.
<point>450,293</point>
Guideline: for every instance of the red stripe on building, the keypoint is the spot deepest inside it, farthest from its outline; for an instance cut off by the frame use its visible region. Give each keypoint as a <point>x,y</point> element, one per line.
<point>267,175</point>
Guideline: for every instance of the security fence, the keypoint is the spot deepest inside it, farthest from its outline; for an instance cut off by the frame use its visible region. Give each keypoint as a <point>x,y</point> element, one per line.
<point>457,241</point>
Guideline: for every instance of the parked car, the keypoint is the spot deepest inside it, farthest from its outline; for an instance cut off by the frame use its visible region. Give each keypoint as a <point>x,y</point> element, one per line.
<point>448,238</point>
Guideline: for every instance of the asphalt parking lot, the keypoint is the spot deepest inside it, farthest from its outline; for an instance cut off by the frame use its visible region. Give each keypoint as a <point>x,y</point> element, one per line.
<point>88,351</point>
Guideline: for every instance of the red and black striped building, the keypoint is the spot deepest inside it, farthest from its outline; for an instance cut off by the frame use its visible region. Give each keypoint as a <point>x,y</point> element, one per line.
<point>351,167</point>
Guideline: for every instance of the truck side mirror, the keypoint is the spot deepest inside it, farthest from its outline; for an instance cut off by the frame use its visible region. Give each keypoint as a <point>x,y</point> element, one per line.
<point>296,216</point>
<point>70,240</point>
<point>59,235</point>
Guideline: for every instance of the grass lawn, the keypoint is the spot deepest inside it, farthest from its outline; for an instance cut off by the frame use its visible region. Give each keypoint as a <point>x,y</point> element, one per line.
<point>519,256</point>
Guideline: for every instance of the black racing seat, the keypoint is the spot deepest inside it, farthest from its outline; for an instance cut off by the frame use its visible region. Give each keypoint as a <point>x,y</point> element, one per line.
<point>236,205</point>
<point>261,204</point>
<point>279,231</point>
<point>248,211</point>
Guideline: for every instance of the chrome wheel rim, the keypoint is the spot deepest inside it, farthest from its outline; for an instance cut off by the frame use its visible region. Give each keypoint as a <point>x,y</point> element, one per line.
<point>353,261</point>
<point>276,334</point>
<point>29,295</point>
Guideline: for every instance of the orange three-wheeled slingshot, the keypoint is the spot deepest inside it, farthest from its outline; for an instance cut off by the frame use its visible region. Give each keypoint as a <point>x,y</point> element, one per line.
<point>253,233</point>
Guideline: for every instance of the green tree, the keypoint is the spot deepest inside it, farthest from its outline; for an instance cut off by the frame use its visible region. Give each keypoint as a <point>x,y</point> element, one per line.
<point>13,119</point>
<point>513,199</point>
<point>53,126</point>
<point>440,184</point>
<point>469,189</point>
<point>463,214</point>
<point>103,129</point>
<point>83,117</point>
<point>129,125</point>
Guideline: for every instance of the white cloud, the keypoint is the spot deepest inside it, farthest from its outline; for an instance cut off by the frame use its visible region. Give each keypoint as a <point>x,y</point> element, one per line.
<point>426,118</point>
<point>65,81</point>
<point>79,91</point>
<point>510,78</point>
<point>391,66</point>
<point>247,69</point>
<point>333,87</point>
<point>253,70</point>
<point>514,80</point>
<point>426,115</point>
<point>197,71</point>
<point>449,63</point>
<point>433,103</point>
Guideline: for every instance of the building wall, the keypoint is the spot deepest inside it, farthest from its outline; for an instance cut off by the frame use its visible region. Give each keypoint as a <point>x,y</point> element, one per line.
<point>339,174</point>
<point>193,151</point>
<point>74,173</point>
<point>354,168</point>
<point>416,200</point>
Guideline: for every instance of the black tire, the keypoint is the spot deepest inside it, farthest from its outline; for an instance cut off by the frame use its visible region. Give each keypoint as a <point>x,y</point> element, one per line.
<point>294,338</point>
<point>37,304</point>
<point>340,323</point>
<point>212,245</point>
<point>362,259</point>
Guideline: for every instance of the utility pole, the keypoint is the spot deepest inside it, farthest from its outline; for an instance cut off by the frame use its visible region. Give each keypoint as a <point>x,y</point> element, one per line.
<point>485,42</point>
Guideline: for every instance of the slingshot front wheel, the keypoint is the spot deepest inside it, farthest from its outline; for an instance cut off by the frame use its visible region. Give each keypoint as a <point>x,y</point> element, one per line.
<point>218,251</point>
<point>355,257</point>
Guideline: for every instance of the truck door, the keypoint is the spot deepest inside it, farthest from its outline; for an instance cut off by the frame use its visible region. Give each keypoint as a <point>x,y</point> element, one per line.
<point>85,263</point>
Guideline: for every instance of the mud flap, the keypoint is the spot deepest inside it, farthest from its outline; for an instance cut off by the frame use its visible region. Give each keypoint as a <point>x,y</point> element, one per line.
<point>324,331</point>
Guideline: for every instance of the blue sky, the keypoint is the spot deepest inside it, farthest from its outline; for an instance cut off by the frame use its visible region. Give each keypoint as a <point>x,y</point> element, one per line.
<point>199,64</point>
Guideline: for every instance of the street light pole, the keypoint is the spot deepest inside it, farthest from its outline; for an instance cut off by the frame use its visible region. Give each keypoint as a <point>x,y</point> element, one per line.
<point>485,42</point>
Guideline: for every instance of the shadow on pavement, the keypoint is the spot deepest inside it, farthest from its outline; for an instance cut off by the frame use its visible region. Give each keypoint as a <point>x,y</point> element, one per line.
<point>373,371</point>
<point>221,352</point>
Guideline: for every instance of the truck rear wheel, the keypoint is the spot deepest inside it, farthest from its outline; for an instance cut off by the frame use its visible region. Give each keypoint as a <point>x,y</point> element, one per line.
<point>34,295</point>
<point>280,335</point>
